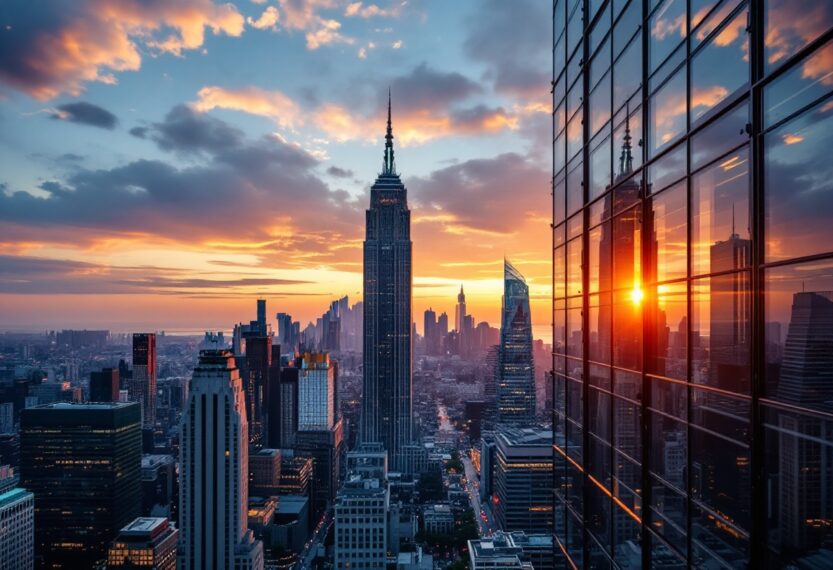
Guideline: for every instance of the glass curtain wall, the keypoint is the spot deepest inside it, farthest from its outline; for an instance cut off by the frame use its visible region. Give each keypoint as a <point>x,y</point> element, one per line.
<point>693,283</point>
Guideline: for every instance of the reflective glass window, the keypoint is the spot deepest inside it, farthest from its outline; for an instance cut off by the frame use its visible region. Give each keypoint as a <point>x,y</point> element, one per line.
<point>559,189</point>
<point>799,185</point>
<point>720,216</point>
<point>669,449</point>
<point>598,272</point>
<point>635,125</point>
<point>721,67</point>
<point>575,25</point>
<point>720,136</point>
<point>599,321</point>
<point>669,256</point>
<point>600,105</point>
<point>575,346</point>
<point>667,26</point>
<point>559,267</point>
<point>627,330</point>
<point>668,312</point>
<point>699,10</point>
<point>667,170</point>
<point>626,27</point>
<point>575,135</point>
<point>574,267</point>
<point>721,344</point>
<point>600,168</point>
<point>800,86</point>
<point>575,186</point>
<point>792,24</point>
<point>799,336</point>
<point>627,436</point>
<point>668,113</point>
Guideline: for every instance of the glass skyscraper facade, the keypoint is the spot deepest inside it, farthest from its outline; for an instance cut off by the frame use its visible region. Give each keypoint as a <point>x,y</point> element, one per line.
<point>693,283</point>
<point>516,373</point>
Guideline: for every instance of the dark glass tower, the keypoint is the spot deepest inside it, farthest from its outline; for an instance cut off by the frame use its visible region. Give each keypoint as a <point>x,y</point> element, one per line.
<point>143,384</point>
<point>83,463</point>
<point>386,401</point>
<point>516,381</point>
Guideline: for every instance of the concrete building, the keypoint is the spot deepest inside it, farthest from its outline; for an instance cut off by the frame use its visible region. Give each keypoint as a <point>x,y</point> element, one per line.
<point>214,490</point>
<point>265,472</point>
<point>505,551</point>
<point>147,542</point>
<point>437,519</point>
<point>361,511</point>
<point>17,529</point>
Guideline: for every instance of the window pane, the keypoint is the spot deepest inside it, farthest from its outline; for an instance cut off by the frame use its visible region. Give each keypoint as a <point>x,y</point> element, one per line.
<point>625,28</point>
<point>667,169</point>
<point>721,136</point>
<point>799,186</point>
<point>575,346</point>
<point>799,331</point>
<point>787,32</point>
<point>559,267</point>
<point>667,25</point>
<point>559,199</point>
<point>720,216</point>
<point>600,169</point>
<point>721,67</point>
<point>627,331</point>
<point>599,321</point>
<point>599,258</point>
<point>635,125</point>
<point>669,450</point>
<point>668,113</point>
<point>670,230</point>
<point>799,452</point>
<point>720,332</point>
<point>600,105</point>
<point>575,136</point>
<point>627,74</point>
<point>575,187</point>
<point>574,267</point>
<point>800,86</point>
<point>669,330</point>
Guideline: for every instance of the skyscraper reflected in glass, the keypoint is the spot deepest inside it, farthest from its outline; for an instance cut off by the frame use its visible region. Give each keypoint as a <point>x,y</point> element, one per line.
<point>516,372</point>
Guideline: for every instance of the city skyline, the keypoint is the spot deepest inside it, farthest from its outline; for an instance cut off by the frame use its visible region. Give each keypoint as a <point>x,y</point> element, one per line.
<point>290,152</point>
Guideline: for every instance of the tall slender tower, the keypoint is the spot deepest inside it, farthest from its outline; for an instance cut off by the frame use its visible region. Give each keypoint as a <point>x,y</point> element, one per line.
<point>143,384</point>
<point>460,312</point>
<point>516,374</point>
<point>214,491</point>
<point>387,397</point>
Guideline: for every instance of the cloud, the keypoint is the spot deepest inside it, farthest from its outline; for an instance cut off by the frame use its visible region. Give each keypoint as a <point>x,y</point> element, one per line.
<point>268,20</point>
<point>489,195</point>
<point>29,275</point>
<point>272,104</point>
<point>85,114</point>
<point>242,194</point>
<point>337,172</point>
<point>517,63</point>
<point>48,50</point>
<point>360,10</point>
<point>326,33</point>
<point>139,132</point>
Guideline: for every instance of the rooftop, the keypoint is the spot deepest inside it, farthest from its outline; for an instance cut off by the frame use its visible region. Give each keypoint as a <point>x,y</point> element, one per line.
<point>144,527</point>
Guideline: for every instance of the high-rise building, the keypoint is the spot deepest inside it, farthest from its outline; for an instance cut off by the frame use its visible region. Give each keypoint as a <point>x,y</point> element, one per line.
<point>429,331</point>
<point>361,508</point>
<point>387,396</point>
<point>160,487</point>
<point>214,459</point>
<point>522,478</point>
<point>296,474</point>
<point>143,383</point>
<point>82,462</point>
<point>316,392</point>
<point>516,372</point>
<point>261,317</point>
<point>326,447</point>
<point>147,542</point>
<point>258,362</point>
<point>272,409</point>
<point>689,429</point>
<point>104,385</point>
<point>288,408</point>
<point>442,329</point>
<point>17,521</point>
<point>460,311</point>
<point>286,338</point>
<point>265,472</point>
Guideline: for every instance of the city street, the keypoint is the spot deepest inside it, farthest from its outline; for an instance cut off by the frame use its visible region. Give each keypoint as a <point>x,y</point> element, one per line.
<point>484,522</point>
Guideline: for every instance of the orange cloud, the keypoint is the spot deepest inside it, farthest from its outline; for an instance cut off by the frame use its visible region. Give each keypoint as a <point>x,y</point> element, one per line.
<point>267,20</point>
<point>98,38</point>
<point>272,104</point>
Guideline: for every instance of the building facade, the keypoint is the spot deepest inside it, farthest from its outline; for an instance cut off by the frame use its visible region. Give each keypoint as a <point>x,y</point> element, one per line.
<point>316,393</point>
<point>104,385</point>
<point>83,464</point>
<point>17,521</point>
<point>143,382</point>
<point>147,542</point>
<point>692,324</point>
<point>214,459</point>
<point>516,371</point>
<point>387,406</point>
<point>522,475</point>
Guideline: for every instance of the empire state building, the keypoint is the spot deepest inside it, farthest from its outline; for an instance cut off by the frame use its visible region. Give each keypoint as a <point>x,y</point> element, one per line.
<point>387,396</point>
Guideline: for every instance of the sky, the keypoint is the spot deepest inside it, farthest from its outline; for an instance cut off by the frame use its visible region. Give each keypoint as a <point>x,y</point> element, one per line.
<point>163,164</point>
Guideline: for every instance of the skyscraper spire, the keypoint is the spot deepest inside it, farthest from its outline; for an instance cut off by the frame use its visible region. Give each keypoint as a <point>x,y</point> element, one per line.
<point>626,158</point>
<point>388,167</point>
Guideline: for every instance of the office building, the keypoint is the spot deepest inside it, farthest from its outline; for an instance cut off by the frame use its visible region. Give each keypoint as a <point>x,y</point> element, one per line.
<point>326,448</point>
<point>511,550</point>
<point>387,406</point>
<point>689,430</point>
<point>82,462</point>
<point>17,529</point>
<point>516,372</point>
<point>437,519</point>
<point>261,317</point>
<point>145,543</point>
<point>265,472</point>
<point>296,474</point>
<point>160,487</point>
<point>255,375</point>
<point>143,383</point>
<point>429,332</point>
<point>522,475</point>
<point>7,419</point>
<point>214,459</point>
<point>361,508</point>
<point>287,422</point>
<point>104,385</point>
<point>316,392</point>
